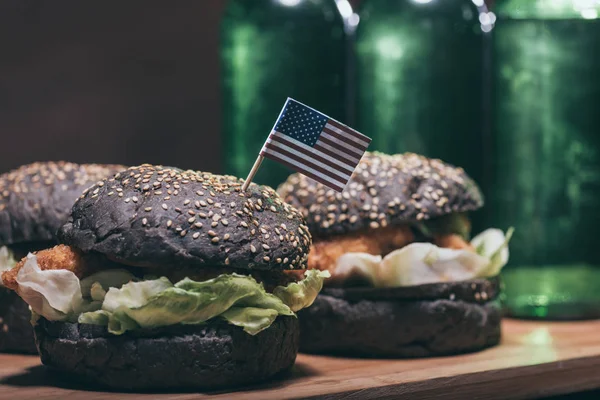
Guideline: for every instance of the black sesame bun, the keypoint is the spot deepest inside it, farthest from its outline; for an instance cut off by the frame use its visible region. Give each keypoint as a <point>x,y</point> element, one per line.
<point>421,321</point>
<point>425,320</point>
<point>154,217</point>
<point>209,356</point>
<point>384,190</point>
<point>35,201</point>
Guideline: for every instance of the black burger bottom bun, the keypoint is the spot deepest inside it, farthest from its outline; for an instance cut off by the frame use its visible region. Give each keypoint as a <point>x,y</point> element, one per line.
<point>210,356</point>
<point>421,321</point>
<point>16,333</point>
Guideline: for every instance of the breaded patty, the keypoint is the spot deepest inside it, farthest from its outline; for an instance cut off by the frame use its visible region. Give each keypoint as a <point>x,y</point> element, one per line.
<point>58,257</point>
<point>452,241</point>
<point>324,253</point>
<point>65,257</point>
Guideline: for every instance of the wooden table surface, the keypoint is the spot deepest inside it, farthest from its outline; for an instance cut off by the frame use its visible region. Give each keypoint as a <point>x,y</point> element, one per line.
<point>534,360</point>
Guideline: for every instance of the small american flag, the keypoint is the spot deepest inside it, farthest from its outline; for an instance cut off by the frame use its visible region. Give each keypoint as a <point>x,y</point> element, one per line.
<point>315,145</point>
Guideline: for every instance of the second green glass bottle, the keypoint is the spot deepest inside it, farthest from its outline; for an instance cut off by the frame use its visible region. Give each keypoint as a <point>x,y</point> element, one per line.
<point>420,74</point>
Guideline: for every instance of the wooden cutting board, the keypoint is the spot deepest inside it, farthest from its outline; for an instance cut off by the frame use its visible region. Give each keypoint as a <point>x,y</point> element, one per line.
<point>534,360</point>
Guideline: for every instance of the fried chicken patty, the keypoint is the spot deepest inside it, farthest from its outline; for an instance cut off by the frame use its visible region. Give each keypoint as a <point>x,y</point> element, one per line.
<point>83,265</point>
<point>324,253</point>
<point>58,257</point>
<point>452,241</point>
<point>382,241</point>
<point>323,256</point>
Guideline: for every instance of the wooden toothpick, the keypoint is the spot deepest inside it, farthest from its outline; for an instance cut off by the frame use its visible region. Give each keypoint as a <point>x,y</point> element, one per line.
<point>253,171</point>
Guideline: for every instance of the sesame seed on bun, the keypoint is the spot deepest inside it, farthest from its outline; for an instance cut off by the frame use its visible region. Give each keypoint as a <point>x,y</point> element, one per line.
<point>35,199</point>
<point>384,190</point>
<point>155,216</point>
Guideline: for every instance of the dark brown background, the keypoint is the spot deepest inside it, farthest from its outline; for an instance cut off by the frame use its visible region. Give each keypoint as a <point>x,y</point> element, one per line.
<point>110,81</point>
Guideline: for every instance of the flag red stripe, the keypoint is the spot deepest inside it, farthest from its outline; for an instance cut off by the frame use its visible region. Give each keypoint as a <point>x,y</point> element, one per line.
<point>302,171</point>
<point>350,131</point>
<point>334,155</point>
<point>307,162</point>
<point>313,155</point>
<point>358,154</point>
<point>357,146</point>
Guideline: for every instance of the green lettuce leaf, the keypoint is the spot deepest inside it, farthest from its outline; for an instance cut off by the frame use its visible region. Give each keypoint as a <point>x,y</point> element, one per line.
<point>238,299</point>
<point>96,285</point>
<point>252,319</point>
<point>424,263</point>
<point>99,317</point>
<point>97,292</point>
<point>238,290</point>
<point>118,300</point>
<point>356,267</point>
<point>493,244</point>
<point>150,304</point>
<point>299,295</point>
<point>134,294</point>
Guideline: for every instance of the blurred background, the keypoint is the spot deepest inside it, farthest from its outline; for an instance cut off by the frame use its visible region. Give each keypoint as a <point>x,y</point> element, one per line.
<point>110,81</point>
<point>507,89</point>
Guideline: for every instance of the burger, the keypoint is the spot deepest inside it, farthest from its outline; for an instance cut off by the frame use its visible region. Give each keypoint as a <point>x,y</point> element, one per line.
<point>406,278</point>
<point>35,201</point>
<point>166,278</point>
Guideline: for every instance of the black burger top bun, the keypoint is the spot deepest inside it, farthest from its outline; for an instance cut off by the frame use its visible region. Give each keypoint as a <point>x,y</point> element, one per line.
<point>384,190</point>
<point>154,216</point>
<point>35,199</point>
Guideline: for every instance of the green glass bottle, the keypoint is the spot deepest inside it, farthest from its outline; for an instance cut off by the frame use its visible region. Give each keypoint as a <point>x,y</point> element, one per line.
<point>420,78</point>
<point>546,180</point>
<point>271,50</point>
